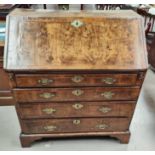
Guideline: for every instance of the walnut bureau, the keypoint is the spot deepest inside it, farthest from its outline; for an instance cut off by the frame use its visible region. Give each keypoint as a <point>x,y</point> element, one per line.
<point>75,73</point>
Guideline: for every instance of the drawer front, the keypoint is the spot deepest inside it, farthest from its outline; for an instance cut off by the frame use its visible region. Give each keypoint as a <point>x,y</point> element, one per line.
<point>76,94</point>
<point>74,125</point>
<point>76,109</point>
<point>56,80</point>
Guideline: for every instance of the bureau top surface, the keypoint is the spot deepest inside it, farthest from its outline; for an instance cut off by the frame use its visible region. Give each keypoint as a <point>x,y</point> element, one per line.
<point>67,40</point>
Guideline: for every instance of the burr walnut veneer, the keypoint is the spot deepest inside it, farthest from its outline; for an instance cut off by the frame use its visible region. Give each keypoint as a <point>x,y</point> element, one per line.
<point>75,73</point>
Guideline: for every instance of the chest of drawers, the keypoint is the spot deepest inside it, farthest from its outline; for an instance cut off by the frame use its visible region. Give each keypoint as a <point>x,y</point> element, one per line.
<point>75,73</point>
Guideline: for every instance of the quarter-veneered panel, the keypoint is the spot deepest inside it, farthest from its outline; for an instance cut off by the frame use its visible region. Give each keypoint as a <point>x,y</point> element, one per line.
<point>79,41</point>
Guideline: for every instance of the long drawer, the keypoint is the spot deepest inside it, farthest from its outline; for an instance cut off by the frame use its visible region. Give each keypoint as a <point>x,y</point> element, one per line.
<point>76,94</point>
<point>64,80</point>
<point>76,109</point>
<point>74,125</point>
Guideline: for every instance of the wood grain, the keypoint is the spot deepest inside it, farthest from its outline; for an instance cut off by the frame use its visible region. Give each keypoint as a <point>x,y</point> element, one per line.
<point>66,80</point>
<point>76,109</point>
<point>58,63</point>
<point>102,42</point>
<point>66,94</point>
<point>66,125</point>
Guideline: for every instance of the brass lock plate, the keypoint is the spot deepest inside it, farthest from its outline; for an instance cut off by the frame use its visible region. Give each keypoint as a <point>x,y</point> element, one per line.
<point>77,106</point>
<point>76,121</point>
<point>77,92</point>
<point>76,23</point>
<point>77,78</point>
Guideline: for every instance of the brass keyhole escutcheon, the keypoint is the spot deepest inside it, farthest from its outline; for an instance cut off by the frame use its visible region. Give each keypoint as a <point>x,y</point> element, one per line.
<point>76,23</point>
<point>108,95</point>
<point>77,92</point>
<point>77,106</point>
<point>77,78</point>
<point>76,121</point>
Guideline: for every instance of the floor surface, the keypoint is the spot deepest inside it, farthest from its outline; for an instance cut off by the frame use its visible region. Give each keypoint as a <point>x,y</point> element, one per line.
<point>142,129</point>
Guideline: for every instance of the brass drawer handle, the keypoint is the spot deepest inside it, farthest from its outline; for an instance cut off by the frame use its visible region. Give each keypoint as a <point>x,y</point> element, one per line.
<point>108,80</point>
<point>105,109</point>
<point>49,110</point>
<point>45,81</point>
<point>76,23</point>
<point>77,78</point>
<point>102,126</point>
<point>77,92</point>
<point>50,128</point>
<point>47,95</point>
<point>77,106</point>
<point>76,121</point>
<point>108,95</point>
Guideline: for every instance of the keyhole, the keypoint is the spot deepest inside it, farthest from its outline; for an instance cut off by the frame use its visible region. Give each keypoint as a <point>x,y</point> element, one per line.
<point>79,92</point>
<point>78,106</point>
<point>77,23</point>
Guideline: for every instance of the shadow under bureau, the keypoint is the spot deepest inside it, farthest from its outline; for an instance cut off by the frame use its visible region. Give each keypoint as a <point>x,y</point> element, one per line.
<point>75,73</point>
